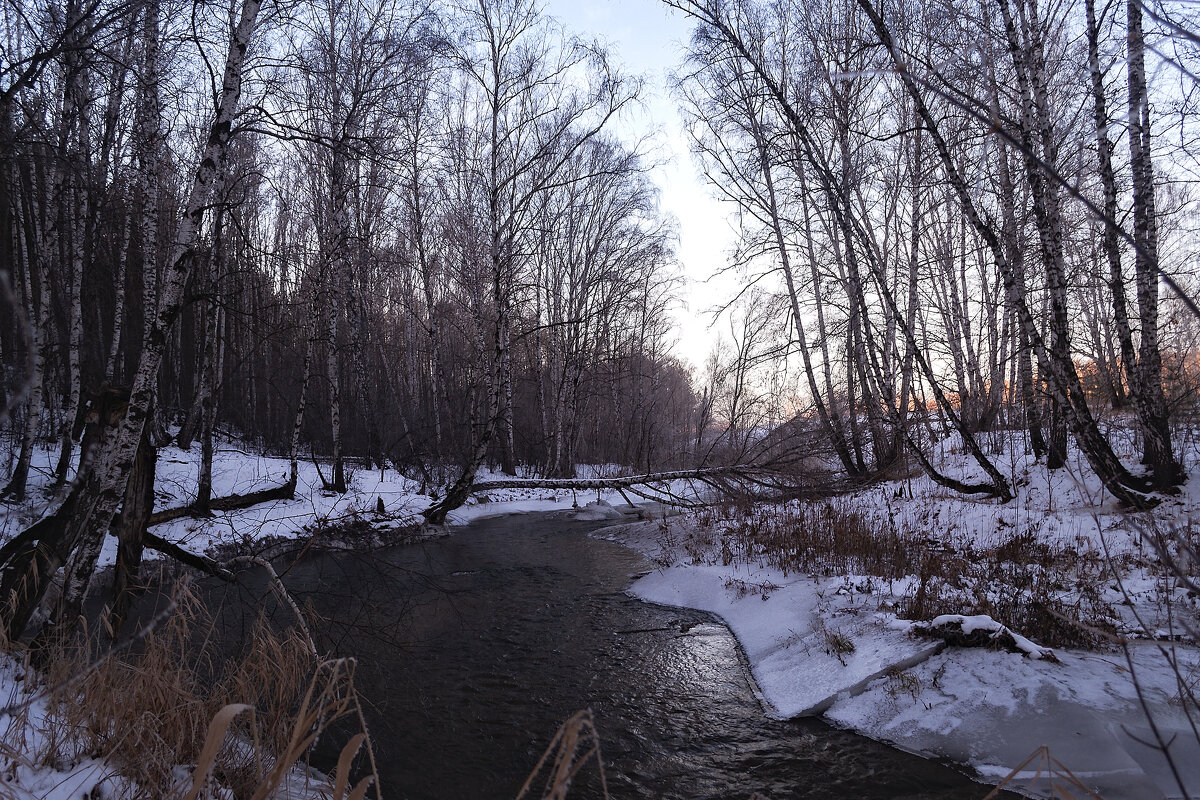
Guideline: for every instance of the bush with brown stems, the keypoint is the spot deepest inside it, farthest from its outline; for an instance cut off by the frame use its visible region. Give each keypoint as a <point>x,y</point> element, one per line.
<point>1050,592</point>
<point>175,719</point>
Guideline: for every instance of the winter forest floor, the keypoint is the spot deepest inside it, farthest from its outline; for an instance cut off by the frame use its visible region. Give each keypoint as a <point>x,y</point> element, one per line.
<point>828,599</point>
<point>236,470</point>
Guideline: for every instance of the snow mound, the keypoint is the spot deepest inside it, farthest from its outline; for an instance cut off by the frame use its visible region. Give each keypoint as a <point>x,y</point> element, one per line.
<point>597,511</point>
<point>807,644</point>
<point>962,629</point>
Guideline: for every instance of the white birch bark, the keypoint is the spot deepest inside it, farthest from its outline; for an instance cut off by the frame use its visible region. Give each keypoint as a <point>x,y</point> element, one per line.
<point>94,501</point>
<point>77,161</point>
<point>33,298</point>
<point>1156,427</point>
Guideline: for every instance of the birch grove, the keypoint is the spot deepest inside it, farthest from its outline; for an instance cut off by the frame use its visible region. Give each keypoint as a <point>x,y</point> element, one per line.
<point>921,185</point>
<point>379,233</point>
<point>397,234</point>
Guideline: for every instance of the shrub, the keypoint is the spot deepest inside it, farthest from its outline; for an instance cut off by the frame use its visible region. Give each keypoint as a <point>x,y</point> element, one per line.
<point>147,714</point>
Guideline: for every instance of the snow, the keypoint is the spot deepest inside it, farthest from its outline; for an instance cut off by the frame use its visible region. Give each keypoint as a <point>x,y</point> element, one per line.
<point>236,471</point>
<point>797,636</point>
<point>831,644</point>
<point>88,778</point>
<point>992,710</point>
<point>599,510</point>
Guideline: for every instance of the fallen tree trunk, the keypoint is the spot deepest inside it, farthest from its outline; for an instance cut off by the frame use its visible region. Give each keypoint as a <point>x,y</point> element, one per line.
<point>194,560</point>
<point>707,476</point>
<point>737,481</point>
<point>285,491</point>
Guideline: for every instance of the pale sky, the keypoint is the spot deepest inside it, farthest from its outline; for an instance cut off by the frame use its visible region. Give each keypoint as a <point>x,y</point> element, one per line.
<point>646,38</point>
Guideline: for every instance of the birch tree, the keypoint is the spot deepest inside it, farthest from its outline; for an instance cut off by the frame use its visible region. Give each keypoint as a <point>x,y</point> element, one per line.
<point>78,527</point>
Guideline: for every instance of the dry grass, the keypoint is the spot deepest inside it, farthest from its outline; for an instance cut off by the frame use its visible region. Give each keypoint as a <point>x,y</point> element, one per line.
<point>179,720</point>
<point>574,745</point>
<point>1048,772</point>
<point>827,538</point>
<point>1051,593</point>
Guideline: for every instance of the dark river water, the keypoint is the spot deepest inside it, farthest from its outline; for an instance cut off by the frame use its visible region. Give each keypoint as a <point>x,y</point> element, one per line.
<point>474,648</point>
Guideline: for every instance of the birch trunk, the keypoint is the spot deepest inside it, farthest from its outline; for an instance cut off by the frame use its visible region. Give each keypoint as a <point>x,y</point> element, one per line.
<point>302,399</point>
<point>835,415</point>
<point>148,133</point>
<point>1036,133</point>
<point>208,416</point>
<point>76,158</point>
<point>83,520</point>
<point>906,372</point>
<point>1016,258</point>
<point>113,365</point>
<point>333,374</point>
<point>1156,429</point>
<point>1108,181</point>
<point>33,297</point>
<point>210,377</point>
<point>204,379</point>
<point>839,443</point>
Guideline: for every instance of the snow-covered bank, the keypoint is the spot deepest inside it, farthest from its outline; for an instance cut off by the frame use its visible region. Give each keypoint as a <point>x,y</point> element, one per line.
<point>236,471</point>
<point>823,645</point>
<point>830,641</point>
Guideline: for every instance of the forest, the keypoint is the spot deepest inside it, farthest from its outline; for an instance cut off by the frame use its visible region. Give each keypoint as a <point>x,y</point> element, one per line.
<point>411,236</point>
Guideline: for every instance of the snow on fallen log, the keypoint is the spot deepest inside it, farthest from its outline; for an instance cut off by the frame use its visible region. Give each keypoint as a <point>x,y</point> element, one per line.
<point>233,502</point>
<point>621,482</point>
<point>980,630</point>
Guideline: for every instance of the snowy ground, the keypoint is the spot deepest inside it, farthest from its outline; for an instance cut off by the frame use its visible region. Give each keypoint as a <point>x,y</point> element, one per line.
<point>236,471</point>
<point>832,644</point>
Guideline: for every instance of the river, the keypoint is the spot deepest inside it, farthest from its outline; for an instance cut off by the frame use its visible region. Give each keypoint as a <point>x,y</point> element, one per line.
<point>473,648</point>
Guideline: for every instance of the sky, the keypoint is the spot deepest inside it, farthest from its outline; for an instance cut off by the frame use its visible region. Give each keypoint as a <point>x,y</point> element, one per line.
<point>646,38</point>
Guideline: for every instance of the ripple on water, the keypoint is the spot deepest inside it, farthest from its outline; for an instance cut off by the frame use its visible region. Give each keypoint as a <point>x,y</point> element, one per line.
<point>473,648</point>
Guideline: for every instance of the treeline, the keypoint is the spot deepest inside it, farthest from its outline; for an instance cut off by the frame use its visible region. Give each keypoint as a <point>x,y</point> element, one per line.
<point>387,230</point>
<point>403,232</point>
<point>420,246</point>
<point>959,211</point>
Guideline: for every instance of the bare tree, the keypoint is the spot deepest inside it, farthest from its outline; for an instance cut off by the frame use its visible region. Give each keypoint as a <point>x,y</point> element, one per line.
<point>78,526</point>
